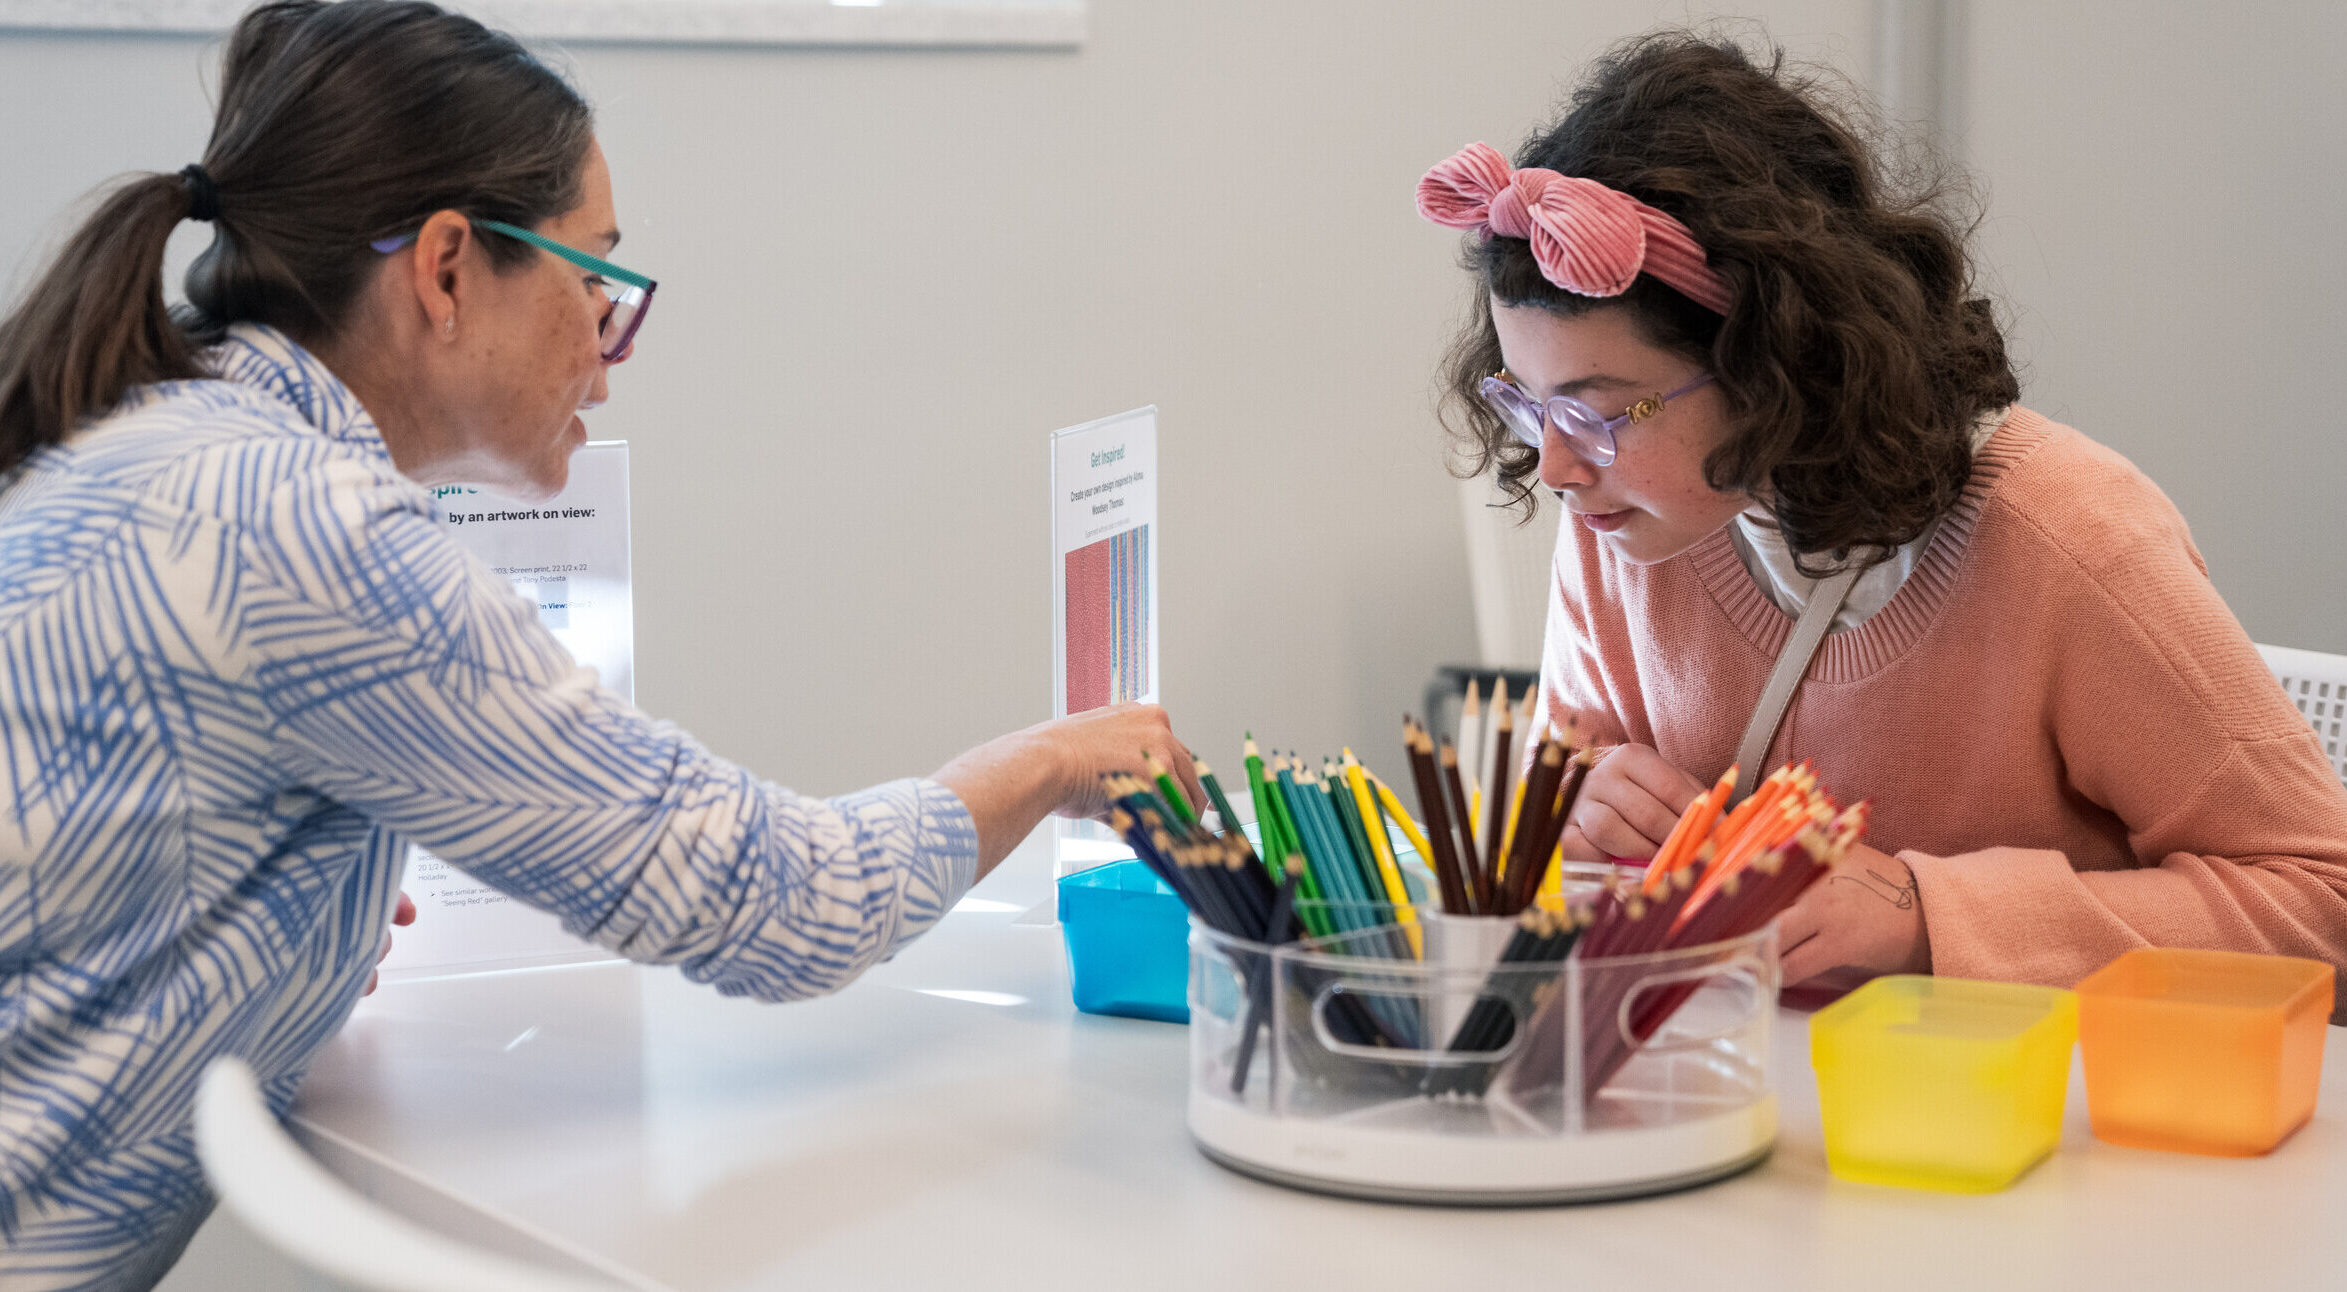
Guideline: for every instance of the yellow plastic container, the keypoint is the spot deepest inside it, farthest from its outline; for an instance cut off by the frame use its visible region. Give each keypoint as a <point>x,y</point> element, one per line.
<point>1942,1083</point>
<point>2214,1052</point>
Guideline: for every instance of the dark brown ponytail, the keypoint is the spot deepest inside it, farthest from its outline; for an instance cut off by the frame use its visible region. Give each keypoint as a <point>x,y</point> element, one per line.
<point>339,124</point>
<point>94,325</point>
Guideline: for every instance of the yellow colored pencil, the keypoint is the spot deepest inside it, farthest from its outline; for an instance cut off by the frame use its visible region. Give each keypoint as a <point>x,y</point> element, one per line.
<point>1388,869</point>
<point>1401,817</point>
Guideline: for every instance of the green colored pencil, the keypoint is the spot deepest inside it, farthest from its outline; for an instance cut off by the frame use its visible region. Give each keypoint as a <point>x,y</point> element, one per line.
<point>1281,842</point>
<point>1371,875</point>
<point>1348,819</point>
<point>1318,853</point>
<point>1339,850</point>
<point>1222,806</point>
<point>1171,792</point>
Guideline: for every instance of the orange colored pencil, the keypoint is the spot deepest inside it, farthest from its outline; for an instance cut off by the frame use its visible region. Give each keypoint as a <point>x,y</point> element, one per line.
<point>1695,828</point>
<point>1667,855</point>
<point>1762,795</point>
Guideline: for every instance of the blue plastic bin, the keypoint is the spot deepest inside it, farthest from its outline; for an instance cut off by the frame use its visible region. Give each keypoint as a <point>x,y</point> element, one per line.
<point>1128,936</point>
<point>1128,941</point>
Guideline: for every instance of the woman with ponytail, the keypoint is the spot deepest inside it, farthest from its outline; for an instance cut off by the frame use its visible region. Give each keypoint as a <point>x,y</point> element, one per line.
<point>242,667</point>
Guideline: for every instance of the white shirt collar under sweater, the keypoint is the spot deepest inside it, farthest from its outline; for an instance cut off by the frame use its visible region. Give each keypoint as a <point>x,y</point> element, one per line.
<point>1770,561</point>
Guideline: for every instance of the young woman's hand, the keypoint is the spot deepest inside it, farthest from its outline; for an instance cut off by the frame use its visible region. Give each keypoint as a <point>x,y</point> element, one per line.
<point>1011,782</point>
<point>1629,804</point>
<point>1866,915</point>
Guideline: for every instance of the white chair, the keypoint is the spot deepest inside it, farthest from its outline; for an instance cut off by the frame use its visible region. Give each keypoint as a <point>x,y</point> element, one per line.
<point>284,1197</point>
<point>2317,684</point>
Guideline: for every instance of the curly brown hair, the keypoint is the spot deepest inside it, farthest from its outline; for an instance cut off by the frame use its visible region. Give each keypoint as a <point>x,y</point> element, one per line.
<point>1854,357</point>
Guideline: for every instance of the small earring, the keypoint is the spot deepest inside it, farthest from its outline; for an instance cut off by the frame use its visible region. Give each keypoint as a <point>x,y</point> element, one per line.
<point>450,327</point>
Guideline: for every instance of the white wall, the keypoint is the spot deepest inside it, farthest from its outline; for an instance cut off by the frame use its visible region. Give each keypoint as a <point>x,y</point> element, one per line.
<point>2166,185</point>
<point>886,275</point>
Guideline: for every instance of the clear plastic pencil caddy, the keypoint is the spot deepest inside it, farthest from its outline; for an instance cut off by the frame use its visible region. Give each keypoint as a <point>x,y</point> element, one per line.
<point>1412,1062</point>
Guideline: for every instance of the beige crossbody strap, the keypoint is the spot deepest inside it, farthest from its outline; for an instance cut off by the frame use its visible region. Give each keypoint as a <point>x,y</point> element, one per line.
<point>1825,600</point>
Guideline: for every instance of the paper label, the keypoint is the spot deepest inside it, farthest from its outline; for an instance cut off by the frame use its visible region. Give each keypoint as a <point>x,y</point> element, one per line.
<point>569,555</point>
<point>1104,623</point>
<point>1104,551</point>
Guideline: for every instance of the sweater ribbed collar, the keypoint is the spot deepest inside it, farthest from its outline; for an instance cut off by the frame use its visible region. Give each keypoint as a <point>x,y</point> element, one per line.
<point>1853,653</point>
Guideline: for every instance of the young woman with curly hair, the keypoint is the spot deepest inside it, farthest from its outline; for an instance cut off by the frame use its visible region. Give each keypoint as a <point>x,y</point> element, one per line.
<point>1754,370</point>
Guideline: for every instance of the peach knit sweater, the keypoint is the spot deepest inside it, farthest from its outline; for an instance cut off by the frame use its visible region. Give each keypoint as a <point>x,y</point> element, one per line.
<point>2064,731</point>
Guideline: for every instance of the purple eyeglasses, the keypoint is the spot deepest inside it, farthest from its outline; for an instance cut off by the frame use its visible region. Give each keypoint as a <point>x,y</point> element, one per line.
<point>1591,435</point>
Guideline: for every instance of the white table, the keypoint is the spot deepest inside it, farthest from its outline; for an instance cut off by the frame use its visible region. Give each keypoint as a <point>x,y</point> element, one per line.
<point>950,1121</point>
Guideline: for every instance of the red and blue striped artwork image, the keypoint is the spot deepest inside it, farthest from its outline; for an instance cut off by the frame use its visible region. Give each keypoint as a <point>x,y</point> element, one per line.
<point>1108,621</point>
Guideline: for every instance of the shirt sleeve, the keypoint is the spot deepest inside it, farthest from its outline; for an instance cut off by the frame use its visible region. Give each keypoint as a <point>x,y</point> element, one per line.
<point>408,680</point>
<point>2234,818</point>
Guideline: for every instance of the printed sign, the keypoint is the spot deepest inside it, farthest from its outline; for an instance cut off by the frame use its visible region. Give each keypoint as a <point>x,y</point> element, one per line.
<point>568,554</point>
<point>1104,627</point>
<point>1104,562</point>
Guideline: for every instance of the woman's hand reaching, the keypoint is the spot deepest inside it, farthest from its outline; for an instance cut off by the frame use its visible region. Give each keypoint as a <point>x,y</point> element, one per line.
<point>1012,782</point>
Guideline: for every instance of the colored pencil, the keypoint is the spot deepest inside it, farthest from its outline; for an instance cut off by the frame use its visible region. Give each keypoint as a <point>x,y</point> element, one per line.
<point>1535,835</point>
<point>1222,807</point>
<point>1259,998</point>
<point>1495,796</point>
<point>1441,847</point>
<point>1542,938</point>
<point>1388,868</point>
<point>1462,817</point>
<point>1391,805</point>
<point>1171,792</point>
<point>1469,741</point>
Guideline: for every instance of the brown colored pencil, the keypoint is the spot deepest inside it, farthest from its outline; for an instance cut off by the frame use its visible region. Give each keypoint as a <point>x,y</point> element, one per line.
<point>1437,815</point>
<point>1528,857</point>
<point>1575,774</point>
<point>1463,820</point>
<point>1495,797</point>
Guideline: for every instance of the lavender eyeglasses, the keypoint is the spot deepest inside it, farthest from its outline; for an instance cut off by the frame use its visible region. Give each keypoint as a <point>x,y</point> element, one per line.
<point>1590,435</point>
<point>629,292</point>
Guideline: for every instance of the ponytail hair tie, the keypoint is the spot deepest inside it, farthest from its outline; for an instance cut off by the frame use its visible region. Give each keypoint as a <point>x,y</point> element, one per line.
<point>1587,238</point>
<point>203,196</point>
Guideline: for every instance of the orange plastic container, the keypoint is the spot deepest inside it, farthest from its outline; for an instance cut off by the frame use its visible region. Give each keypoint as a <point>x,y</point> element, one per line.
<point>2213,1052</point>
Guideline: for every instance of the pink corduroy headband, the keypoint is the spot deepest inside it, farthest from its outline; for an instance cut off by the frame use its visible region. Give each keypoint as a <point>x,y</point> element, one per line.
<point>1587,238</point>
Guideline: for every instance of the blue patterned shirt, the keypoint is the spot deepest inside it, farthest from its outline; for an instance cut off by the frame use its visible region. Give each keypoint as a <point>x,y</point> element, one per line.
<point>242,667</point>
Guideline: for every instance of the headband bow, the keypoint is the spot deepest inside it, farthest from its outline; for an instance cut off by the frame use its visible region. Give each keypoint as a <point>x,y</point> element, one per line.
<point>1585,237</point>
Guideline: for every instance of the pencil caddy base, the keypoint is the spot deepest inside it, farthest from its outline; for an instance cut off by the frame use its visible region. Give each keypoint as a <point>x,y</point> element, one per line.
<point>1353,1083</point>
<point>1404,1162</point>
